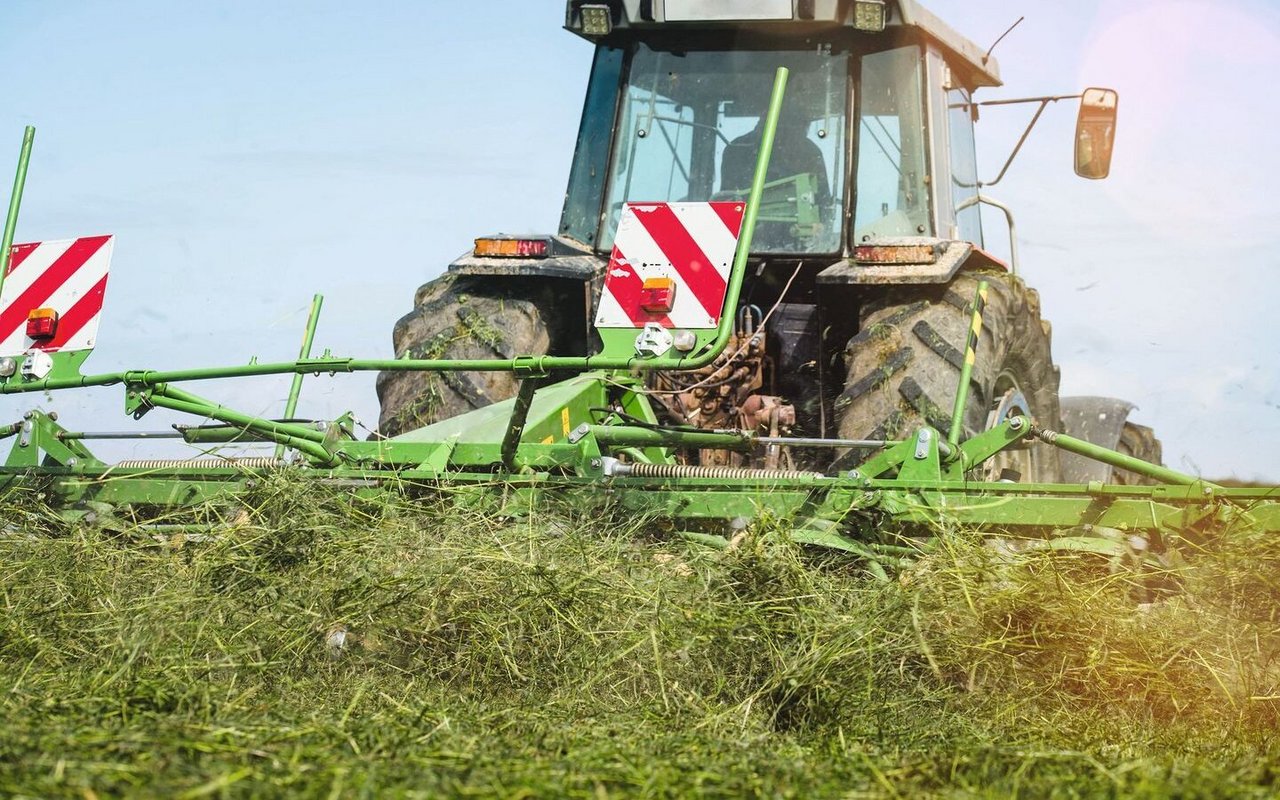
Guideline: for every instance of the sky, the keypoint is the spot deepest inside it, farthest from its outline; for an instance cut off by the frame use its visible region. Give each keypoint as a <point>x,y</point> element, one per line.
<point>248,155</point>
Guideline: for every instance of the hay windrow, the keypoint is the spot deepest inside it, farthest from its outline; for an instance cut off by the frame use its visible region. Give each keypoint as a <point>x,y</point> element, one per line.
<point>301,642</point>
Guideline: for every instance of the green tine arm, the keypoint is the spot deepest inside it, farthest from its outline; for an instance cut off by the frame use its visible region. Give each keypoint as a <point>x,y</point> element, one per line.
<point>308,338</point>
<point>15,202</point>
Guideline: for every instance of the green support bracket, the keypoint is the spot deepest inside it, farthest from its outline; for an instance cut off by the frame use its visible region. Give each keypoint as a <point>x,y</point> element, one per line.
<point>974,451</point>
<point>40,443</point>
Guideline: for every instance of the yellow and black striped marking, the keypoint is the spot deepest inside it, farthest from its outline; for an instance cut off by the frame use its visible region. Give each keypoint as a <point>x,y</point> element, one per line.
<point>975,325</point>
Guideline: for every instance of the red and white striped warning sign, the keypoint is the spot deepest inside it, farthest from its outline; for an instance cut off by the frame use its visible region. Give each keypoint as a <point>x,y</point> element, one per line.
<point>69,277</point>
<point>689,244</point>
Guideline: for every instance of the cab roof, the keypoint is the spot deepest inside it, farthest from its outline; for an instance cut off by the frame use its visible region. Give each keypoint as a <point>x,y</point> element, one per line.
<point>804,16</point>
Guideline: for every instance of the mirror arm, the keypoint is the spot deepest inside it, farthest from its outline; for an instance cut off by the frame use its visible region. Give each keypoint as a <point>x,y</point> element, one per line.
<point>1049,98</point>
<point>1044,103</point>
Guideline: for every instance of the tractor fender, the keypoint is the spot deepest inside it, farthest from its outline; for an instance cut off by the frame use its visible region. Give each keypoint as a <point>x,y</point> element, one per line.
<point>583,268</point>
<point>1099,421</point>
<point>952,256</point>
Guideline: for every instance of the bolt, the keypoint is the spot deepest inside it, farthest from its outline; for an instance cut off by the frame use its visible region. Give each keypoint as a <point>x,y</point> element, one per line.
<point>854,475</point>
<point>71,462</point>
<point>595,463</point>
<point>1206,491</point>
<point>1015,423</point>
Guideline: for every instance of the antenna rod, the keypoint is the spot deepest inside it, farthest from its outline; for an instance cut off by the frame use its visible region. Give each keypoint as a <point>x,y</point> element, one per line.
<point>991,49</point>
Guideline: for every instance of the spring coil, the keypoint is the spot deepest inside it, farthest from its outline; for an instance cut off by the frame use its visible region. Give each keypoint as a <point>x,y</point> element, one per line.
<point>254,462</point>
<point>692,471</point>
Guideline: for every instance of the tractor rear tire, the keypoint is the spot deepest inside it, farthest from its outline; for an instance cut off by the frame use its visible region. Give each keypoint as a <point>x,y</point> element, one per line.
<point>903,367</point>
<point>1140,442</point>
<point>459,318</point>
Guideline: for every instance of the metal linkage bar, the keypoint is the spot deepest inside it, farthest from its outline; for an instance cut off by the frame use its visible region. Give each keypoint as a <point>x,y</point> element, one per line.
<point>306,440</point>
<point>1115,459</point>
<point>628,436</point>
<point>104,435</point>
<point>803,441</point>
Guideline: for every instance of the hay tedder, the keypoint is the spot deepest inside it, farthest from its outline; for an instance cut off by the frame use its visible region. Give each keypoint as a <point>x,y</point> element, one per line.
<point>760,305</point>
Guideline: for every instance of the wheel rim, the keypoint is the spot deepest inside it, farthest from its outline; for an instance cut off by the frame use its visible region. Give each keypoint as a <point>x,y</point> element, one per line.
<point>1009,402</point>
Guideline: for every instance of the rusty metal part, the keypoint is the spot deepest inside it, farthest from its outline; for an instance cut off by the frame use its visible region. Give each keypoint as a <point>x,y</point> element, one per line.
<point>731,394</point>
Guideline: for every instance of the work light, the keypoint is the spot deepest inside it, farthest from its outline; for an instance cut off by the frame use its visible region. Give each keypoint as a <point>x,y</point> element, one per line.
<point>596,20</point>
<point>869,15</point>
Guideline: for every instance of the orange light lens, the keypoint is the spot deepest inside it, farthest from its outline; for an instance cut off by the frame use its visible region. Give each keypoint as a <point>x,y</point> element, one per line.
<point>42,323</point>
<point>658,295</point>
<point>495,247</point>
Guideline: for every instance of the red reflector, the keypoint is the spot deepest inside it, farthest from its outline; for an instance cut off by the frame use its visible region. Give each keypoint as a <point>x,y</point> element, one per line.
<point>42,323</point>
<point>658,295</point>
<point>496,247</point>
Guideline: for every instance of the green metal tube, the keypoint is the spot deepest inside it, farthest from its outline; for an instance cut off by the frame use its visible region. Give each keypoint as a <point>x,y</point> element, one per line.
<point>309,448</point>
<point>224,414</point>
<point>308,338</point>
<point>15,202</point>
<point>966,368</point>
<point>745,238</point>
<point>623,436</point>
<point>306,440</point>
<point>1089,450</point>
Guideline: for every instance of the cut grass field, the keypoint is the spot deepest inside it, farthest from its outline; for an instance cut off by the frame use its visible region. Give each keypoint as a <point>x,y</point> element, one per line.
<point>318,645</point>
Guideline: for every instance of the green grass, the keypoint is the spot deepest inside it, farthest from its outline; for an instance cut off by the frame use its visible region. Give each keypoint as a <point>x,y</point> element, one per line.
<point>562,654</point>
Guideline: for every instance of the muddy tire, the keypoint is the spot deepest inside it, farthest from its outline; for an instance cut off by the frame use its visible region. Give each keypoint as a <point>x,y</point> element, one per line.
<point>458,318</point>
<point>903,367</point>
<point>1140,442</point>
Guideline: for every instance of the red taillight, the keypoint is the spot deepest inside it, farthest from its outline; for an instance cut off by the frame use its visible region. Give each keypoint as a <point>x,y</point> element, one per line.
<point>658,295</point>
<point>42,323</point>
<point>506,247</point>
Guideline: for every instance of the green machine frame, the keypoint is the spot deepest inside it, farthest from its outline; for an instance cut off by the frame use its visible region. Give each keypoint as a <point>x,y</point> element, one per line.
<point>599,429</point>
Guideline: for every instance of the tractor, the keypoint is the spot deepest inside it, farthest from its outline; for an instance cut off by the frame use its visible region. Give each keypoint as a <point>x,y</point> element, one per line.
<point>856,301</point>
<point>762,304</point>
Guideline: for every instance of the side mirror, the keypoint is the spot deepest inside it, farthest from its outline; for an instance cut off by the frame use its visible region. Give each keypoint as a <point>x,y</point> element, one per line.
<point>1096,132</point>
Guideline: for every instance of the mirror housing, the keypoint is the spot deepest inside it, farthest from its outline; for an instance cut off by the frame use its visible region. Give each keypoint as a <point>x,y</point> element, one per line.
<point>1096,132</point>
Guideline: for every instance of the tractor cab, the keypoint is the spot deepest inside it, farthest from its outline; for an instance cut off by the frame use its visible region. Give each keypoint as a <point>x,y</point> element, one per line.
<point>875,140</point>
